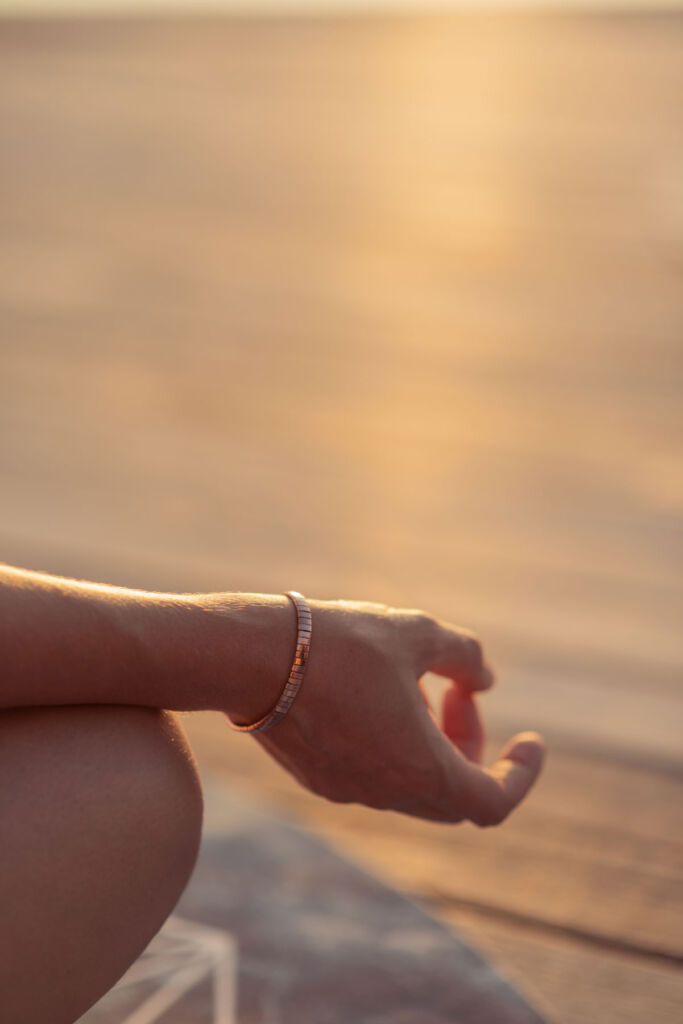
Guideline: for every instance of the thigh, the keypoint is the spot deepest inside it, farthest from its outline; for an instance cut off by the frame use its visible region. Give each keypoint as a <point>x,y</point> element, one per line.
<point>100,816</point>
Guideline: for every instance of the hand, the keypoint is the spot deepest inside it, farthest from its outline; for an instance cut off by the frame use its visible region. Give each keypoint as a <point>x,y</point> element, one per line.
<point>361,731</point>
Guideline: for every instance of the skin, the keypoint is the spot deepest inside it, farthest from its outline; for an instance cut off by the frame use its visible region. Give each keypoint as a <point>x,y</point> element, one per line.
<point>101,802</point>
<point>101,816</point>
<point>360,729</point>
<point>362,705</point>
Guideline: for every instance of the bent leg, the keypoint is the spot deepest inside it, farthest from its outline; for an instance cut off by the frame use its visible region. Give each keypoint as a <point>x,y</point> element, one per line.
<point>100,819</point>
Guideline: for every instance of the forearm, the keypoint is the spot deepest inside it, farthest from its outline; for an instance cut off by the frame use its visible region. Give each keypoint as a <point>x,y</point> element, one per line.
<point>69,642</point>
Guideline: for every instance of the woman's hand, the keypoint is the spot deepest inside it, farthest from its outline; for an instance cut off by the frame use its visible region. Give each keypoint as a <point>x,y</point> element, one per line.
<point>361,731</point>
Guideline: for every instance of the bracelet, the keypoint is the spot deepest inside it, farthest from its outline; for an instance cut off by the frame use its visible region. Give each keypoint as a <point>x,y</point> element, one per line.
<point>296,673</point>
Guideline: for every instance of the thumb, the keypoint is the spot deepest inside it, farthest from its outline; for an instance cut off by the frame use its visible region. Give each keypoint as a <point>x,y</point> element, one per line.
<point>491,793</point>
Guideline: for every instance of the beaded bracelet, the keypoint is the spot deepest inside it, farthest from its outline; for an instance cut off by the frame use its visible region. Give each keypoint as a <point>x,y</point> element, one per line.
<point>296,674</point>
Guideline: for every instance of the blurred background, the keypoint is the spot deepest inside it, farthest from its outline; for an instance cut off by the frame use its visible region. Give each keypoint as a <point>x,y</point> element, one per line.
<point>382,303</point>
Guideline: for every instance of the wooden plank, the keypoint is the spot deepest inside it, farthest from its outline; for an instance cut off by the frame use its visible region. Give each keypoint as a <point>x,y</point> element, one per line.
<point>599,844</point>
<point>312,938</point>
<point>597,851</point>
<point>572,983</point>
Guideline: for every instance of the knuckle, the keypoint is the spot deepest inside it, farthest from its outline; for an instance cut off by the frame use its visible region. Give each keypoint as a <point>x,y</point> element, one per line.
<point>475,651</point>
<point>415,617</point>
<point>425,622</point>
<point>414,630</point>
<point>424,629</point>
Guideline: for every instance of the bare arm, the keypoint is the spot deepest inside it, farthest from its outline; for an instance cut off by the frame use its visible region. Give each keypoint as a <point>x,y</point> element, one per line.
<point>64,641</point>
<point>359,730</point>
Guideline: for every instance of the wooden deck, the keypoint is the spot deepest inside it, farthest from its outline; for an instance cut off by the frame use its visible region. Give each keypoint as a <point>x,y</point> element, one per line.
<point>293,932</point>
<point>384,308</point>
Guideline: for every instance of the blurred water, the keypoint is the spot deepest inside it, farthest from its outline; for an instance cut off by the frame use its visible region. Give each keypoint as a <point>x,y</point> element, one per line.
<point>388,310</point>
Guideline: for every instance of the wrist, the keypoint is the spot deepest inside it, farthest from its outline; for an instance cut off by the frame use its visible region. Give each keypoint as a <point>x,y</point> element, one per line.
<point>247,642</point>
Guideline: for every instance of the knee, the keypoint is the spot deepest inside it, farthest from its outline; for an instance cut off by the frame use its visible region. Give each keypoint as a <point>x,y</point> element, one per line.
<point>155,793</point>
<point>101,811</point>
<point>119,776</point>
<point>153,801</point>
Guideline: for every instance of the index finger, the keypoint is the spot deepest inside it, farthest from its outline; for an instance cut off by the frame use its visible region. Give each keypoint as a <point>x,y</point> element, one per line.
<point>456,653</point>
